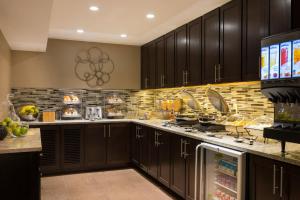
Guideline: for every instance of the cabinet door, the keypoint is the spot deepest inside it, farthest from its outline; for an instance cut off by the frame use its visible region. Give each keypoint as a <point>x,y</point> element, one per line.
<point>210,45</point>
<point>295,14</point>
<point>50,159</point>
<point>144,67</point>
<point>95,146</point>
<point>152,65</point>
<point>160,63</point>
<point>177,166</point>
<point>230,68</point>
<point>280,16</point>
<point>143,147</point>
<point>72,147</point>
<point>153,153</point>
<point>261,179</point>
<point>190,168</point>
<point>194,52</point>
<point>180,55</point>
<point>164,158</point>
<point>118,144</point>
<point>255,27</point>
<point>291,179</point>
<point>135,147</point>
<point>170,59</point>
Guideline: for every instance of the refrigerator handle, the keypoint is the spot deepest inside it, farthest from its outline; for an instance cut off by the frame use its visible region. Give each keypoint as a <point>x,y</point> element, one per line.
<point>196,171</point>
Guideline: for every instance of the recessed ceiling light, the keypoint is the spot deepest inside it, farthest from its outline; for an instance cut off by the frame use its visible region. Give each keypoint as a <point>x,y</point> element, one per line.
<point>150,15</point>
<point>94,8</point>
<point>123,35</point>
<point>80,31</point>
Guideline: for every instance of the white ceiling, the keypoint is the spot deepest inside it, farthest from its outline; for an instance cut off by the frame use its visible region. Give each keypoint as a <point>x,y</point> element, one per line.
<point>27,26</point>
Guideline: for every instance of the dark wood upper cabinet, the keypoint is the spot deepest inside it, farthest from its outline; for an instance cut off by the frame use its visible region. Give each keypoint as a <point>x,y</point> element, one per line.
<point>181,56</point>
<point>280,14</point>
<point>160,63</point>
<point>194,75</point>
<point>295,14</point>
<point>170,59</point>
<point>230,69</point>
<point>255,27</point>
<point>210,46</point>
<point>95,145</point>
<point>118,148</point>
<point>148,64</point>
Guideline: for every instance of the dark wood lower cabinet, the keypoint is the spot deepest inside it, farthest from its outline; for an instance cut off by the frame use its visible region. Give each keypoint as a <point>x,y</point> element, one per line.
<point>272,180</point>
<point>95,146</point>
<point>153,153</point>
<point>177,165</point>
<point>190,168</point>
<point>20,176</point>
<point>139,147</point>
<point>50,156</point>
<point>118,148</point>
<point>164,158</point>
<point>72,147</point>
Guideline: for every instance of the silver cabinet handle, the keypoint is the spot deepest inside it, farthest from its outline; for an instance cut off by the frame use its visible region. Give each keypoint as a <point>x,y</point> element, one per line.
<point>281,182</point>
<point>215,73</point>
<point>219,73</point>
<point>104,131</point>
<point>181,147</point>
<point>163,80</point>
<point>274,180</point>
<point>185,151</point>
<point>146,82</point>
<point>196,170</point>
<point>183,78</point>
<point>155,138</point>
<point>186,77</point>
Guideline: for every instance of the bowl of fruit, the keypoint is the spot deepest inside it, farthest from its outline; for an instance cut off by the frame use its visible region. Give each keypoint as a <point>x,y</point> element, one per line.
<point>28,112</point>
<point>15,129</point>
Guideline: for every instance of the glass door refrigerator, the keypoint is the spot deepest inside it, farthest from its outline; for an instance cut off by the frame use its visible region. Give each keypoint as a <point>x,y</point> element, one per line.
<point>222,173</point>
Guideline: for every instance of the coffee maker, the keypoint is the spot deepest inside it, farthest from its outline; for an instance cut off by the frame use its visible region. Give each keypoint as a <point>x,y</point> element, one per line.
<point>280,83</point>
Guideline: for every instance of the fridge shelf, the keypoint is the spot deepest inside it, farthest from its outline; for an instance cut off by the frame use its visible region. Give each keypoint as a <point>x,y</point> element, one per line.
<point>226,173</point>
<point>227,188</point>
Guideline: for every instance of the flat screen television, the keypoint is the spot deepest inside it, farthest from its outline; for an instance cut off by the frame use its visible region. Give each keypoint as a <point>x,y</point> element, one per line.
<point>280,56</point>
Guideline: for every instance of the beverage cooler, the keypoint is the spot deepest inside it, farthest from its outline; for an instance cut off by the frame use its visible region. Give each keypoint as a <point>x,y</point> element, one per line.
<point>222,173</point>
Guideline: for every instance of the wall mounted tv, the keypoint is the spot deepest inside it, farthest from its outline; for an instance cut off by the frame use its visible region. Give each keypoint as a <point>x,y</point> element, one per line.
<point>280,56</point>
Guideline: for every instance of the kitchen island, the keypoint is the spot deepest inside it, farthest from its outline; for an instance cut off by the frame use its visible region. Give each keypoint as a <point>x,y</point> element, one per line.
<point>19,166</point>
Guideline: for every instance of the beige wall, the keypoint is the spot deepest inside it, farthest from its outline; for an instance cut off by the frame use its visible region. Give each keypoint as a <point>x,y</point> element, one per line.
<point>55,67</point>
<point>5,68</point>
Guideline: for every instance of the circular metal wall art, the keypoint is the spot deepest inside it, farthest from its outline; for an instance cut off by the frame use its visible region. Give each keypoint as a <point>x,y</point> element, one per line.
<point>94,67</point>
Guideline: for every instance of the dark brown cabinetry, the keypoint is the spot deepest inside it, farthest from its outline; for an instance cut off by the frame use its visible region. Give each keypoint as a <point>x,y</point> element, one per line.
<point>139,148</point>
<point>160,63</point>
<point>255,27</point>
<point>181,72</point>
<point>72,147</point>
<point>159,156</point>
<point>280,14</point>
<point>271,180</point>
<point>182,166</point>
<point>148,69</point>
<point>118,149</point>
<point>95,145</point>
<point>50,156</point>
<point>194,52</point>
<point>20,176</point>
<point>229,69</point>
<point>170,59</point>
<point>210,46</point>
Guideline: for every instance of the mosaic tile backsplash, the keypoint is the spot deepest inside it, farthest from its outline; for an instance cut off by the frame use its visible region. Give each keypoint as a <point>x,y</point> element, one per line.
<point>246,97</point>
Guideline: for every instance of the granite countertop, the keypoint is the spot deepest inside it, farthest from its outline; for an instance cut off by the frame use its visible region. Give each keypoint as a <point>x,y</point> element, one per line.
<point>30,143</point>
<point>272,151</point>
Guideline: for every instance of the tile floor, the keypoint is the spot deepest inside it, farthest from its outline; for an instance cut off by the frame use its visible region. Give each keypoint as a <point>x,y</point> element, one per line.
<point>125,184</point>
